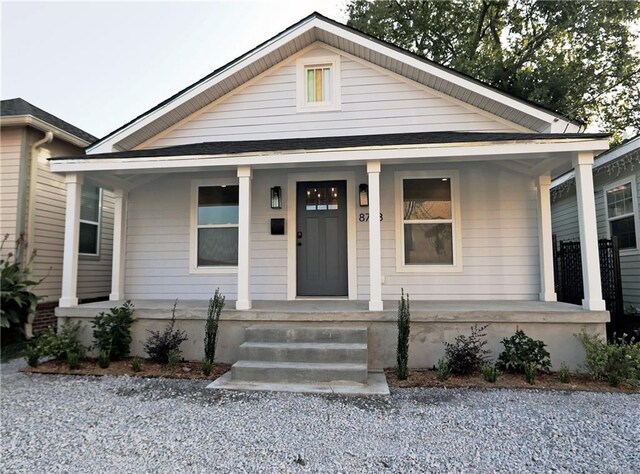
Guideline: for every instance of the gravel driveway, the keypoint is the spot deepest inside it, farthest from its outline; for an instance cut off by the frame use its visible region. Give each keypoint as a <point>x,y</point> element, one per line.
<point>121,424</point>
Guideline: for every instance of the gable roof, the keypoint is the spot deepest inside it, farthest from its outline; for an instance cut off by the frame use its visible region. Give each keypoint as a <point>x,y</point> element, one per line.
<point>318,28</point>
<point>21,108</point>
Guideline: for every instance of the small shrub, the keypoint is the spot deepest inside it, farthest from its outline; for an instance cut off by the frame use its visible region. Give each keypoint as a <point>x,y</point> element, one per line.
<point>444,370</point>
<point>491,373</point>
<point>564,374</point>
<point>32,354</point>
<point>207,367</point>
<point>216,304</point>
<point>73,360</point>
<point>404,323</point>
<point>112,331</point>
<point>158,345</point>
<point>613,379</point>
<point>618,360</point>
<point>59,344</point>
<point>104,360</point>
<point>136,364</point>
<point>530,372</point>
<point>467,353</point>
<point>173,358</point>
<point>520,350</point>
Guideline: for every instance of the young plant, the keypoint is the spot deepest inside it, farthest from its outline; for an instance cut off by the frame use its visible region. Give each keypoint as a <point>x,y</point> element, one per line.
<point>491,373</point>
<point>104,360</point>
<point>216,304</point>
<point>32,354</point>
<point>614,361</point>
<point>530,372</point>
<point>136,364</point>
<point>173,357</point>
<point>59,344</point>
<point>520,350</point>
<point>160,344</point>
<point>73,359</point>
<point>444,369</point>
<point>112,331</point>
<point>564,374</point>
<point>207,367</point>
<point>404,328</point>
<point>467,354</point>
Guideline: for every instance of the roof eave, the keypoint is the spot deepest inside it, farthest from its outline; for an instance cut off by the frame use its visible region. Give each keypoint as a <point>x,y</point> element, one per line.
<point>39,124</point>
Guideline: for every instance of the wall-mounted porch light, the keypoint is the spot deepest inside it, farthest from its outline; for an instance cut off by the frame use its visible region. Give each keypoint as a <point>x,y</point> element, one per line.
<point>363,192</point>
<point>276,197</point>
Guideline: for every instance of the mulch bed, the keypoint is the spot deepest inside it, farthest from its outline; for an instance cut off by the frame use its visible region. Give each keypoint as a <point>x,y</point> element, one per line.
<point>150,369</point>
<point>428,378</point>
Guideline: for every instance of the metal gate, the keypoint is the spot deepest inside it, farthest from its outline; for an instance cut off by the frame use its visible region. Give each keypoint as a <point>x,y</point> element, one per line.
<point>568,273</point>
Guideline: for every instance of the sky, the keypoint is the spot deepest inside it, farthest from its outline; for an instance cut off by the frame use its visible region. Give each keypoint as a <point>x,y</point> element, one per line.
<point>98,65</point>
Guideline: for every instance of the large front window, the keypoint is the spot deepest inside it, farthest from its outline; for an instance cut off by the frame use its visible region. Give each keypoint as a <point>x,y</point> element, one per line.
<point>90,213</point>
<point>217,226</point>
<point>621,213</point>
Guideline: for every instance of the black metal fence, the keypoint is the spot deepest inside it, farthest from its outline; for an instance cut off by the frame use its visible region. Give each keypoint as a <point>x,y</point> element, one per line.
<point>568,273</point>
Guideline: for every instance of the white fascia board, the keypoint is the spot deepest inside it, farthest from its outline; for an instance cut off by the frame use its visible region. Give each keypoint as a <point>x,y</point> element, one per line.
<point>464,151</point>
<point>106,146</point>
<point>37,123</point>
<point>617,152</point>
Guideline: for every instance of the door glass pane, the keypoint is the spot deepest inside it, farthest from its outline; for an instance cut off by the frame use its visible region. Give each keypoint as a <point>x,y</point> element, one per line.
<point>426,199</point>
<point>312,198</point>
<point>624,230</point>
<point>217,205</point>
<point>332,198</point>
<point>428,244</point>
<point>88,238</point>
<point>218,247</point>
<point>620,200</point>
<point>321,198</point>
<point>90,203</point>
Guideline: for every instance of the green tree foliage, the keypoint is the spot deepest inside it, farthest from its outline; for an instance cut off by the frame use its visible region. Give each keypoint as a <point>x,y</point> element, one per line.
<point>575,57</point>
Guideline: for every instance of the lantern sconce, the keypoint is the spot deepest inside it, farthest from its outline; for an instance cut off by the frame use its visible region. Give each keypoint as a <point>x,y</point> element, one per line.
<point>276,197</point>
<point>363,193</point>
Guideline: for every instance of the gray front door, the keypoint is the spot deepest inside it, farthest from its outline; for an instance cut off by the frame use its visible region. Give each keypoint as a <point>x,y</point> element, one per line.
<point>321,238</point>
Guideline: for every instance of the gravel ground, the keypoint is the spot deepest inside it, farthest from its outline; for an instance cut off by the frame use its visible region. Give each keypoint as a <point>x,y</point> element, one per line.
<point>121,424</point>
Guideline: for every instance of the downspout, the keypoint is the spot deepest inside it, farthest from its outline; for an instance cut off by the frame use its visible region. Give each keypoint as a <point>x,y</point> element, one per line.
<point>33,190</point>
<point>23,186</point>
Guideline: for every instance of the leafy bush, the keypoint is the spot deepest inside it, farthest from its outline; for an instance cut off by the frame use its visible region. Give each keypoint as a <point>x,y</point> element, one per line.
<point>112,331</point>
<point>136,364</point>
<point>521,350</point>
<point>211,329</point>
<point>207,367</point>
<point>404,327</point>
<point>444,370</point>
<point>173,358</point>
<point>60,344</point>
<point>104,360</point>
<point>491,373</point>
<point>158,345</point>
<point>17,300</point>
<point>467,354</point>
<point>73,360</point>
<point>32,354</point>
<point>564,374</point>
<point>530,372</point>
<point>618,360</point>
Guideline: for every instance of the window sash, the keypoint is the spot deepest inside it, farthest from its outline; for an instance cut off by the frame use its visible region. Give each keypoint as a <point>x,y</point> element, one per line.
<point>227,225</point>
<point>89,222</point>
<point>318,84</point>
<point>622,194</point>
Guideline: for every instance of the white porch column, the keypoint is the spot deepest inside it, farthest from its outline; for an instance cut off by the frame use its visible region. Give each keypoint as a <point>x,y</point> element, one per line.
<point>244,230</point>
<point>583,165</point>
<point>375,257</point>
<point>119,237</point>
<point>545,240</point>
<point>71,240</point>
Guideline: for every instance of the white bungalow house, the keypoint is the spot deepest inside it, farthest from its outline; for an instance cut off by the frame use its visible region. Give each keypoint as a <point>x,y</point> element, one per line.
<point>319,174</point>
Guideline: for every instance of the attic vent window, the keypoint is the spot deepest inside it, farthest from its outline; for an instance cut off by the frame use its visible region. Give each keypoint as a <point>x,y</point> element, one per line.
<point>318,85</point>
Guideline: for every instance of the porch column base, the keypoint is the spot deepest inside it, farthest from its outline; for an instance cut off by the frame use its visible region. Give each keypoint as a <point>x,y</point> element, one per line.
<point>594,305</point>
<point>116,296</point>
<point>548,297</point>
<point>375,305</point>
<point>67,302</point>
<point>243,305</point>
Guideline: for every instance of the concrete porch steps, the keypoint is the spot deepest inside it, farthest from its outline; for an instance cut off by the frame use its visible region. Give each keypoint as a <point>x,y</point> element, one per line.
<point>304,351</point>
<point>300,334</point>
<point>297,372</point>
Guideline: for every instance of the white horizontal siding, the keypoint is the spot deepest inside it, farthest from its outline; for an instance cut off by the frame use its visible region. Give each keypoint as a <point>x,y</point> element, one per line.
<point>372,102</point>
<point>10,152</point>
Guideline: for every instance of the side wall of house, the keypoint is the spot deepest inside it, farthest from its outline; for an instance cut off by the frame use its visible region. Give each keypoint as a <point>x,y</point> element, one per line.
<point>11,139</point>
<point>564,214</point>
<point>498,228</point>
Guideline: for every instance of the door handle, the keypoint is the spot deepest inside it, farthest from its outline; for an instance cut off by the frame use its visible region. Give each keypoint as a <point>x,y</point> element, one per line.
<point>299,236</point>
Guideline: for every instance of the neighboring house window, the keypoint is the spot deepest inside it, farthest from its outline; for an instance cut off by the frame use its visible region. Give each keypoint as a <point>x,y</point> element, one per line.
<point>622,213</point>
<point>216,226</point>
<point>90,214</point>
<point>318,84</point>
<point>429,222</point>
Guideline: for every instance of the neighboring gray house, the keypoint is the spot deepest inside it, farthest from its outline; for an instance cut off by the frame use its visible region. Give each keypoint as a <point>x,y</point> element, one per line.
<point>32,201</point>
<point>616,175</point>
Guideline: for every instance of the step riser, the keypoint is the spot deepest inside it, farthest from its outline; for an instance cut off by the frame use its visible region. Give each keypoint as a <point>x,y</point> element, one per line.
<point>276,334</point>
<point>289,375</point>
<point>352,356</point>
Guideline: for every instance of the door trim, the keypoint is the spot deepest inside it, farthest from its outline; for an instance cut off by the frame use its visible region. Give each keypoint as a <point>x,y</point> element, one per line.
<point>292,184</point>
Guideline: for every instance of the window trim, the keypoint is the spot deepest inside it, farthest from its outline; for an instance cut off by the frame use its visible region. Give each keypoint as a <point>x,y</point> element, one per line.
<point>631,179</point>
<point>97,223</point>
<point>302,64</point>
<point>456,221</point>
<point>196,184</point>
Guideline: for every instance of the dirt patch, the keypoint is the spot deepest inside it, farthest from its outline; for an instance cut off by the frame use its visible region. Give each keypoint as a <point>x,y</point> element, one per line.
<point>150,369</point>
<point>428,378</point>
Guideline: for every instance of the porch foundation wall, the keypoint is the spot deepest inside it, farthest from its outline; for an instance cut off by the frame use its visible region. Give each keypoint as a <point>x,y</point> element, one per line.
<point>428,331</point>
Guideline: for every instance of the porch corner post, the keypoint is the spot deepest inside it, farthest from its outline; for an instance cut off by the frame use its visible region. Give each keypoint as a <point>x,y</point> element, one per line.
<point>71,239</point>
<point>244,231</point>
<point>375,257</point>
<point>583,165</point>
<point>545,240</point>
<point>119,239</point>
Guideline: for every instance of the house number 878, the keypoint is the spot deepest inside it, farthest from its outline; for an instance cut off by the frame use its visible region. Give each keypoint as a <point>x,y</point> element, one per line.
<point>364,217</point>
